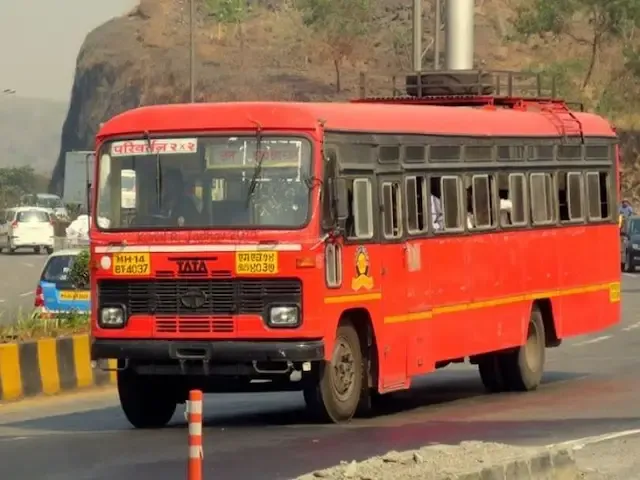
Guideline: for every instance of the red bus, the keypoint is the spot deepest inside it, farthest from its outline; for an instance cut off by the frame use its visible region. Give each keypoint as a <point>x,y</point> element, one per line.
<point>342,250</point>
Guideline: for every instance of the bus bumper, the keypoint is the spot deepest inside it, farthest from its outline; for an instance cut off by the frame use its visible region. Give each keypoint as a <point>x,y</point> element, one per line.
<point>221,351</point>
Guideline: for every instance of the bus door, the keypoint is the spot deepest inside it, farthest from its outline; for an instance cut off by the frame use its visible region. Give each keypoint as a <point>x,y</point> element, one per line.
<point>393,365</point>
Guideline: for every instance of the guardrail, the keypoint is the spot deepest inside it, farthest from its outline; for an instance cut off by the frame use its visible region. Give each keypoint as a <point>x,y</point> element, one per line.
<point>62,243</point>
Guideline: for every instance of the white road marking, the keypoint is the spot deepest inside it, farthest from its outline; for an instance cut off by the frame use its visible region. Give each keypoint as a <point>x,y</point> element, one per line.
<point>580,443</point>
<point>26,294</point>
<point>30,265</point>
<point>2,300</point>
<point>593,340</point>
<point>632,275</point>
<point>631,327</point>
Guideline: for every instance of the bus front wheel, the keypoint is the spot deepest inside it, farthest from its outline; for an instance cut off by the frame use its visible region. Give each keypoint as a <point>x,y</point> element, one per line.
<point>336,394</point>
<point>144,400</point>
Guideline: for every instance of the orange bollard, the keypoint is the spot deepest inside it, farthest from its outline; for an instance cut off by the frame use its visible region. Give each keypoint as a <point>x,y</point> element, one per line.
<point>194,412</point>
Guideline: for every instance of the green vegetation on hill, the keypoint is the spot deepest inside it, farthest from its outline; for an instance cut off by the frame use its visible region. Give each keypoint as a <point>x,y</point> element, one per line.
<point>30,132</point>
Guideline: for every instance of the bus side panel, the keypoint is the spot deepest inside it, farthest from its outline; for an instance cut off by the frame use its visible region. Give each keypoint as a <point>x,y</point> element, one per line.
<point>451,325</point>
<point>593,267</point>
<point>420,302</point>
<point>497,282</point>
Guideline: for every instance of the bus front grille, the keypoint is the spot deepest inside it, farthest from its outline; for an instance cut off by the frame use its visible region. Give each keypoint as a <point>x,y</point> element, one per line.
<point>215,297</point>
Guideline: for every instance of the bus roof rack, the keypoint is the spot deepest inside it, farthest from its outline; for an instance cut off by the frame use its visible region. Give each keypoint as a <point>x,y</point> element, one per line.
<point>470,88</point>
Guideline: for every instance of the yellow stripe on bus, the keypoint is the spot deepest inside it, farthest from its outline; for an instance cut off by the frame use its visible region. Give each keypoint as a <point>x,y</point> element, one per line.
<point>612,287</point>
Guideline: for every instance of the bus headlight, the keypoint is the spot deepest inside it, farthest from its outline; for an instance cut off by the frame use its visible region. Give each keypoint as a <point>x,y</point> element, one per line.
<point>111,317</point>
<point>284,316</point>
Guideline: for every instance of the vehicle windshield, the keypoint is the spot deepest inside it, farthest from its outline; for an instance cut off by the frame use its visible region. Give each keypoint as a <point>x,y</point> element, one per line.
<point>634,227</point>
<point>45,202</point>
<point>205,182</point>
<point>57,270</point>
<point>32,216</point>
<point>129,182</point>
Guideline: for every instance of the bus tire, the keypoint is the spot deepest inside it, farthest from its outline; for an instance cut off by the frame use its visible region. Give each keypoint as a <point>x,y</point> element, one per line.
<point>491,373</point>
<point>523,367</point>
<point>144,401</point>
<point>336,395</point>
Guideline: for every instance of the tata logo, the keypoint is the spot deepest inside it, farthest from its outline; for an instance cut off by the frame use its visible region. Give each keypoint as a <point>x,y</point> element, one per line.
<point>192,267</point>
<point>193,299</point>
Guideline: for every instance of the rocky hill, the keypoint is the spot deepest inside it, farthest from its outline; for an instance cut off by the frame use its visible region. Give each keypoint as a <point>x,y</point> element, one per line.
<point>276,50</point>
<point>30,132</point>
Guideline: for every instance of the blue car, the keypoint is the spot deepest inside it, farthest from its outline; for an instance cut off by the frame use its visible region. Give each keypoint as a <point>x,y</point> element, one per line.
<point>55,294</point>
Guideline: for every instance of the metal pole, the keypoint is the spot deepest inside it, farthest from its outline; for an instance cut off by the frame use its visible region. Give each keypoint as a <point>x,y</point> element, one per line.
<point>192,47</point>
<point>88,184</point>
<point>417,35</point>
<point>459,34</point>
<point>436,38</point>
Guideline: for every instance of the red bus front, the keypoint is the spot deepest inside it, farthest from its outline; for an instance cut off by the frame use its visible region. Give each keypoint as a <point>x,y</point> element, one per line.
<point>208,281</point>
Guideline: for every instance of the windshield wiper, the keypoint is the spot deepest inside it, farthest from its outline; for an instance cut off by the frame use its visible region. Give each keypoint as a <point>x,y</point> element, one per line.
<point>257,172</point>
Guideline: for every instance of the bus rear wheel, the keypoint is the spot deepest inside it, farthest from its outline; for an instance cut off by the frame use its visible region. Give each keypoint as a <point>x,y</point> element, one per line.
<point>144,400</point>
<point>523,368</point>
<point>518,370</point>
<point>336,394</point>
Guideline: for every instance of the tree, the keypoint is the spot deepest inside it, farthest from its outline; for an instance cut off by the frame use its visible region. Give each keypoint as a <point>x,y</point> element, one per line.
<point>228,12</point>
<point>14,182</point>
<point>340,24</point>
<point>607,20</point>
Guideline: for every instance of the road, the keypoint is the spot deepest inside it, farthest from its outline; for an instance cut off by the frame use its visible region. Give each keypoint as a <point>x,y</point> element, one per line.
<point>591,388</point>
<point>19,274</point>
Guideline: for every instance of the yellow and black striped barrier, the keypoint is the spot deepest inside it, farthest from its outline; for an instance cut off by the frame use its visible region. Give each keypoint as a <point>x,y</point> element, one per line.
<point>48,366</point>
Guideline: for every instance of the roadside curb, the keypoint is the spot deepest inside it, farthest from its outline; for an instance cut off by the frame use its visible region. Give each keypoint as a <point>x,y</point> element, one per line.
<point>49,366</point>
<point>472,460</point>
<point>556,465</point>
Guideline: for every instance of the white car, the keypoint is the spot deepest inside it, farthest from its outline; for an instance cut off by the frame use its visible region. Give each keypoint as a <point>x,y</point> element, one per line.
<point>26,227</point>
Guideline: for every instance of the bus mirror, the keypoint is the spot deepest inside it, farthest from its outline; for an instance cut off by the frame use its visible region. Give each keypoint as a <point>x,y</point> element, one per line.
<point>341,196</point>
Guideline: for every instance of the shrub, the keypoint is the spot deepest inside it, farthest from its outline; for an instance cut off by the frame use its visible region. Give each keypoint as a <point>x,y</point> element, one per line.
<point>79,274</point>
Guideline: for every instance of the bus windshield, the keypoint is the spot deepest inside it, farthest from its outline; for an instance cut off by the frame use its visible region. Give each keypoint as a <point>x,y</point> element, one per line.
<point>205,182</point>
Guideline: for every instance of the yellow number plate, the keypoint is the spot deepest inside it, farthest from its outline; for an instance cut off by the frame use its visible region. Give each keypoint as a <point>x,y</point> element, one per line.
<point>72,295</point>
<point>257,263</point>
<point>131,264</point>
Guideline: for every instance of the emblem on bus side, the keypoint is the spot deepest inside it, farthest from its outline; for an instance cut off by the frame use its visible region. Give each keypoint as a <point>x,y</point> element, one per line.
<point>362,278</point>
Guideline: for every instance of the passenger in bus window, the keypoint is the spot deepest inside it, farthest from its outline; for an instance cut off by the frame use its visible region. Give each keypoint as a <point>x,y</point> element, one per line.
<point>176,202</point>
<point>505,210</point>
<point>437,217</point>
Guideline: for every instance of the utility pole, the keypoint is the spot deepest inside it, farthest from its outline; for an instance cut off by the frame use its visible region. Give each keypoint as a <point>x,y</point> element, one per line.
<point>436,36</point>
<point>192,52</point>
<point>459,34</point>
<point>417,36</point>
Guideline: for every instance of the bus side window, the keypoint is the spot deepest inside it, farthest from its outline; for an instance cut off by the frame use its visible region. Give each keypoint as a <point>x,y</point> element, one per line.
<point>391,210</point>
<point>452,204</point>
<point>481,202</point>
<point>416,203</point>
<point>598,194</point>
<point>575,195</point>
<point>542,198</point>
<point>361,209</point>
